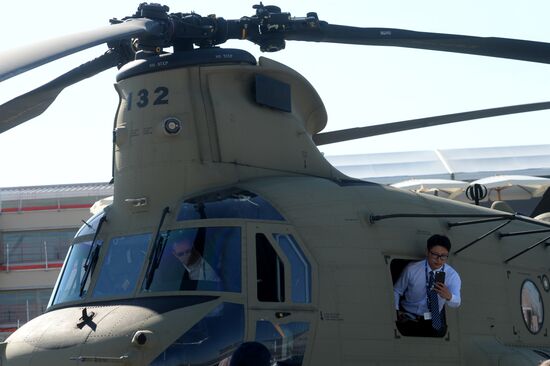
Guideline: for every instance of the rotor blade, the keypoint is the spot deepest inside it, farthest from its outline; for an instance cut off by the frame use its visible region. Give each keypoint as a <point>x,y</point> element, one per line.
<point>18,61</point>
<point>35,102</point>
<point>360,132</point>
<point>487,46</point>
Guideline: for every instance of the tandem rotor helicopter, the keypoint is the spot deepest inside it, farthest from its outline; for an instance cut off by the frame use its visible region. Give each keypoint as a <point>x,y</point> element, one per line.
<point>217,149</point>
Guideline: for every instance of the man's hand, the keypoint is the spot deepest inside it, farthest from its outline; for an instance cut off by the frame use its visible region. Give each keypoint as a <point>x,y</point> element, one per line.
<point>443,291</point>
<point>403,316</point>
<point>399,315</point>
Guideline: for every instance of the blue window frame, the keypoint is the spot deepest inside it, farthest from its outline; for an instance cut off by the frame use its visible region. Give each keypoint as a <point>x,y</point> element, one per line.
<point>300,268</point>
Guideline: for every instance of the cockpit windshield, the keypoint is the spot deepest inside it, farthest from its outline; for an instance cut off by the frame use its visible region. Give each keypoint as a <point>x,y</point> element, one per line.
<point>69,285</point>
<point>80,262</point>
<point>204,258</point>
<point>122,265</point>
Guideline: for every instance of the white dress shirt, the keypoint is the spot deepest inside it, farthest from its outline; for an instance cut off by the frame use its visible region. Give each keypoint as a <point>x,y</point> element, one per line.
<point>201,271</point>
<point>412,285</point>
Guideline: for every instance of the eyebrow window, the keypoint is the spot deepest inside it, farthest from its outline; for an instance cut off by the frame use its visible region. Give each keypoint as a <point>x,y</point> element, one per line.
<point>230,203</point>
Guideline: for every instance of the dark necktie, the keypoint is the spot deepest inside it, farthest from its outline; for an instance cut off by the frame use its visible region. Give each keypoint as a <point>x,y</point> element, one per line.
<point>184,284</point>
<point>433,304</point>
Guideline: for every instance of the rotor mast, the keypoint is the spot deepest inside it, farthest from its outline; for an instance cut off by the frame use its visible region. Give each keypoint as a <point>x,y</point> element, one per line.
<point>203,125</point>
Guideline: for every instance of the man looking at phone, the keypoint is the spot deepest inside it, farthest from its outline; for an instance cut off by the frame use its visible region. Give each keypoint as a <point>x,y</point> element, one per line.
<point>423,290</point>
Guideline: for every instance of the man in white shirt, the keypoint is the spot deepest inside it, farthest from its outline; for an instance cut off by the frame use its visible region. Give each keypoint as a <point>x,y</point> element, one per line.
<point>196,267</point>
<point>421,293</point>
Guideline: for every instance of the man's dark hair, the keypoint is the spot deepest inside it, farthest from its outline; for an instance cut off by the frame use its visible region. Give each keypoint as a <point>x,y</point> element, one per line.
<point>440,240</point>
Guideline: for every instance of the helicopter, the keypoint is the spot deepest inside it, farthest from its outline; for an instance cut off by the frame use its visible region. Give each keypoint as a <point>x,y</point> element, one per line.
<point>218,150</point>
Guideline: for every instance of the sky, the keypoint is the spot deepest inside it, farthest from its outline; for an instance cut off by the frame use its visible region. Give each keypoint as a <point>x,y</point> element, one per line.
<point>360,85</point>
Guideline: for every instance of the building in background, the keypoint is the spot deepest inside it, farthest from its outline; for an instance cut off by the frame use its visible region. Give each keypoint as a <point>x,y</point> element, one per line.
<point>37,225</point>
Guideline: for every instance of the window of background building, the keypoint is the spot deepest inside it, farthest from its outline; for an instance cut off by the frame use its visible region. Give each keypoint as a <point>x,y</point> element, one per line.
<point>41,204</point>
<point>18,307</point>
<point>35,246</point>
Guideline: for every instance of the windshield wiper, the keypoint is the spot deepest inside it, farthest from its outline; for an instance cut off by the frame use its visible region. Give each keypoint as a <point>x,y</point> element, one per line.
<point>156,251</point>
<point>92,257</point>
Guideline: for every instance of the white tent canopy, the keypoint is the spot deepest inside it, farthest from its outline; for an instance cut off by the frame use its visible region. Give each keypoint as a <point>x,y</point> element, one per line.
<point>508,187</point>
<point>437,187</point>
<point>459,164</point>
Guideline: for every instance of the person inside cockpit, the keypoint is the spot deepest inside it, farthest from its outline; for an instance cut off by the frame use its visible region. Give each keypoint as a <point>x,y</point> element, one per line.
<point>196,268</point>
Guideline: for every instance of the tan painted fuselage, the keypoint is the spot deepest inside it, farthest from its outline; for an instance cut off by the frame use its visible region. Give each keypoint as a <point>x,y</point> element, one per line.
<point>228,140</point>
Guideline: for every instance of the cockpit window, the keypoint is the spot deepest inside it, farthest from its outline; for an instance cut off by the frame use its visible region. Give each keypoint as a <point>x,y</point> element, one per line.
<point>230,203</point>
<point>122,265</point>
<point>202,259</point>
<point>69,284</point>
<point>91,225</point>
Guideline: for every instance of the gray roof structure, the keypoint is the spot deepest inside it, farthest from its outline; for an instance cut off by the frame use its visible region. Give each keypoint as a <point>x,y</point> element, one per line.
<point>385,168</point>
<point>459,164</point>
<point>56,191</point>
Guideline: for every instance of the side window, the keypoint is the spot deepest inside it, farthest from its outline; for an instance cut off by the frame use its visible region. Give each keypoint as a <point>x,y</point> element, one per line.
<point>409,324</point>
<point>300,268</point>
<point>122,265</point>
<point>532,307</point>
<point>197,259</point>
<point>270,272</point>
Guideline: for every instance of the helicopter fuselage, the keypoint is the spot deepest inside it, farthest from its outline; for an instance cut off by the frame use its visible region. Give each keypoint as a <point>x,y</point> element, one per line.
<point>215,149</point>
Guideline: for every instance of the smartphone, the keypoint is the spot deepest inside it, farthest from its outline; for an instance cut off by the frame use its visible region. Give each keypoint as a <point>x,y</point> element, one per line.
<point>440,277</point>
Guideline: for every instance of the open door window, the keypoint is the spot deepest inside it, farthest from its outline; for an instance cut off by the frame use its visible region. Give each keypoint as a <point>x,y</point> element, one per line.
<point>408,324</point>
<point>283,270</point>
<point>282,311</point>
<point>270,271</point>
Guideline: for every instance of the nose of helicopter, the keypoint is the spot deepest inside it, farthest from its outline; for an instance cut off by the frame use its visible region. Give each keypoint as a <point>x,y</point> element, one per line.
<point>110,335</point>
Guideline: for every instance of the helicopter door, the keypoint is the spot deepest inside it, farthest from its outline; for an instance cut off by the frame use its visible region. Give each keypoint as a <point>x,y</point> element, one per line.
<point>281,312</point>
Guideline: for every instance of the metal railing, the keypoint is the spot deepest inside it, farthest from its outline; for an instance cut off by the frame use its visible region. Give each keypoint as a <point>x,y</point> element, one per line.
<point>43,254</point>
<point>15,315</point>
